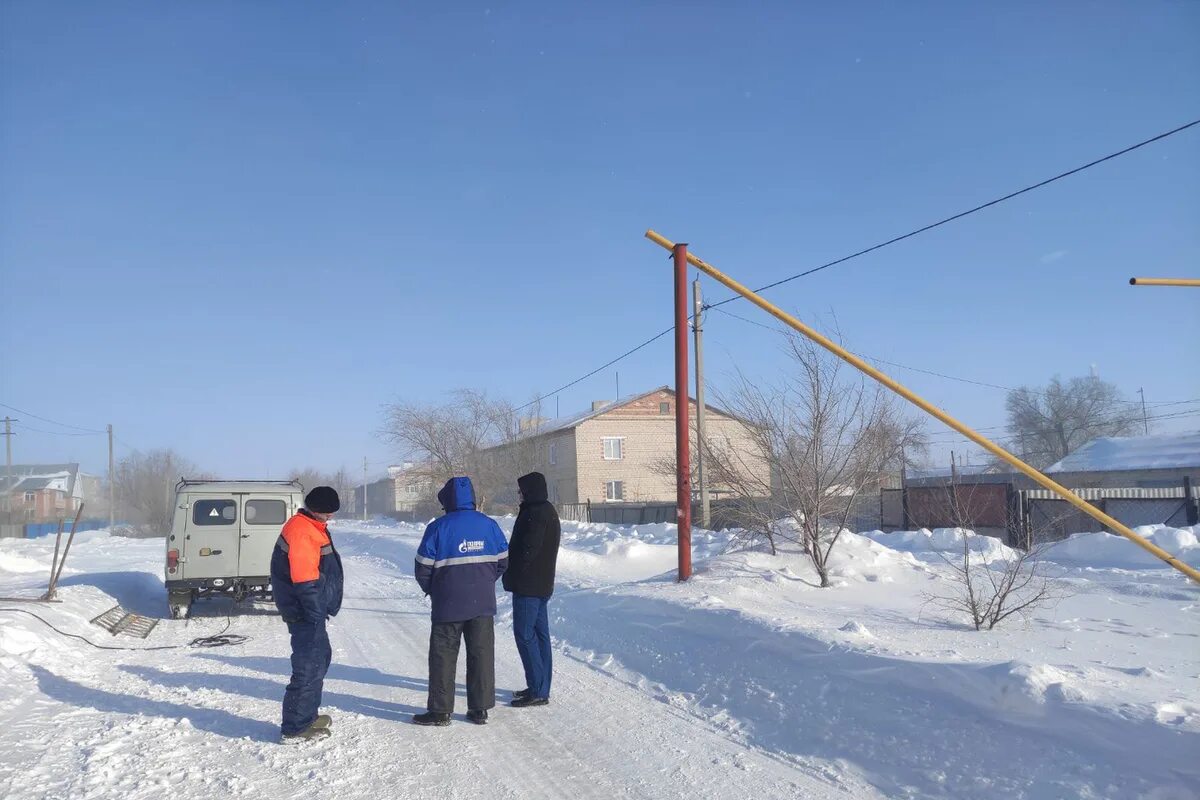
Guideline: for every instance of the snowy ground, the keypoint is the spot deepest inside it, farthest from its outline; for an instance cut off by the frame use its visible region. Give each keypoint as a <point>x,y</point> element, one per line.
<point>746,682</point>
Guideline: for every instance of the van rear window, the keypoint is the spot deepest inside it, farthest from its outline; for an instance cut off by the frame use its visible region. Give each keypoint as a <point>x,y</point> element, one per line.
<point>266,512</point>
<point>214,512</point>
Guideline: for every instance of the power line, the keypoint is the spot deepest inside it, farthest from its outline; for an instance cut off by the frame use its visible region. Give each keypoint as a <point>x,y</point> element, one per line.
<point>985,384</point>
<point>51,421</point>
<point>57,433</point>
<point>600,368</point>
<point>969,211</point>
<point>879,246</point>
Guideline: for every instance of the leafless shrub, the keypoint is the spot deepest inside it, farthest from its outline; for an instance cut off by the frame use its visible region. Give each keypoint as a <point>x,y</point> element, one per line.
<point>990,589</point>
<point>992,584</point>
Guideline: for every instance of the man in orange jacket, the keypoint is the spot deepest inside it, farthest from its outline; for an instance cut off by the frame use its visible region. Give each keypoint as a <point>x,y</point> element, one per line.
<point>306,579</point>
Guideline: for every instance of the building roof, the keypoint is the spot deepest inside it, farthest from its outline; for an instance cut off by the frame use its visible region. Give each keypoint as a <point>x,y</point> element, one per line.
<point>566,423</point>
<point>946,472</point>
<point>17,485</point>
<point>32,477</point>
<point>1114,454</point>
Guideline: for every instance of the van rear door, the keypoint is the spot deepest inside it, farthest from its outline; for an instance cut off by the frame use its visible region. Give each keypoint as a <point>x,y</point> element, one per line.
<point>263,516</point>
<point>212,537</point>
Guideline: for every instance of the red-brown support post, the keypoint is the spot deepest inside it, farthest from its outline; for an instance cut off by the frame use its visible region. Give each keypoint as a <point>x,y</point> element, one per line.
<point>683,467</point>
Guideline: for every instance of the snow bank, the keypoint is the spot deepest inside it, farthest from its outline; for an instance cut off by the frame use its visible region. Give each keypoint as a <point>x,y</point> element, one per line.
<point>942,540</point>
<point>1097,550</point>
<point>1110,551</point>
<point>10,562</point>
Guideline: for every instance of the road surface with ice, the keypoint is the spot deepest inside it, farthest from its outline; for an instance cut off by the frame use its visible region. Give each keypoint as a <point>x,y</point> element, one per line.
<point>748,682</point>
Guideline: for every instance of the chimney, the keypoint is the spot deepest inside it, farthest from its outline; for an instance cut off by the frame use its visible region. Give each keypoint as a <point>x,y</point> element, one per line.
<point>599,404</point>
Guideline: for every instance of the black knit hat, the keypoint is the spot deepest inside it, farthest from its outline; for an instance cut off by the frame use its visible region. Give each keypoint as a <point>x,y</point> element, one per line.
<point>323,500</point>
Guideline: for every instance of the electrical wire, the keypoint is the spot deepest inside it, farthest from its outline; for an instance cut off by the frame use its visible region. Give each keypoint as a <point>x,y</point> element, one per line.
<point>882,245</point>
<point>21,426</point>
<point>601,368</point>
<point>51,421</point>
<point>985,384</point>
<point>221,639</point>
<point>969,211</point>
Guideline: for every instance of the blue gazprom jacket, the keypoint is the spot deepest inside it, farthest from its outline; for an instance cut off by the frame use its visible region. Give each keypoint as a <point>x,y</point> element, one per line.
<point>461,556</point>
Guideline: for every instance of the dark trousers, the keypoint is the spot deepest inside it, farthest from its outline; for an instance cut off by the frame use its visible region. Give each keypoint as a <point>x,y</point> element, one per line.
<point>444,638</point>
<point>531,628</point>
<point>311,655</point>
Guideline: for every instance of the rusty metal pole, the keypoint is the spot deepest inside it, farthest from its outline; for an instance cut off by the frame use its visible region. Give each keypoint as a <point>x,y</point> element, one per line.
<point>683,478</point>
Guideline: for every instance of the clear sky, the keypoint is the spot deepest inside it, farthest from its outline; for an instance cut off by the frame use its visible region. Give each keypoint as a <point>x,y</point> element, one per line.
<point>238,229</point>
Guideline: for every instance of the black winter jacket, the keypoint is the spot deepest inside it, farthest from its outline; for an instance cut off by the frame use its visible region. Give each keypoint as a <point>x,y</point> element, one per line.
<point>533,547</point>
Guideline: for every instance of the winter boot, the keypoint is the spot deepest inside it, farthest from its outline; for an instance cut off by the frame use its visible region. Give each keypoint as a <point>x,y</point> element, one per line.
<point>528,702</point>
<point>478,717</point>
<point>322,721</point>
<point>431,718</point>
<point>309,734</point>
<point>520,693</point>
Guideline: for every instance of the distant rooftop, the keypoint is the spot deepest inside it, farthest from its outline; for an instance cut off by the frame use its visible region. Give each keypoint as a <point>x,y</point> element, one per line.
<point>945,472</point>
<point>1167,451</point>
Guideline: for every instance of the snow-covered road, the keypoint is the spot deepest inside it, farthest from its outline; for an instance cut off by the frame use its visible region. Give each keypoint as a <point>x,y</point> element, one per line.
<point>189,723</point>
<point>746,682</point>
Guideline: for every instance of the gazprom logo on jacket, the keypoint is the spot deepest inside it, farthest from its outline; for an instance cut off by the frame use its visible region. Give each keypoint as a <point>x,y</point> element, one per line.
<point>470,546</point>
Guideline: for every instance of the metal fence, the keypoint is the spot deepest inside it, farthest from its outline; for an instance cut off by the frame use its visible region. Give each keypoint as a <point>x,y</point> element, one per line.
<point>34,530</point>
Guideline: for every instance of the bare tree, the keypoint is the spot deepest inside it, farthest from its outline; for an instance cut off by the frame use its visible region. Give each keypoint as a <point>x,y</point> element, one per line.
<point>1048,424</point>
<point>990,589</point>
<point>992,583</point>
<point>340,480</point>
<point>145,488</point>
<point>461,437</point>
<point>829,439</point>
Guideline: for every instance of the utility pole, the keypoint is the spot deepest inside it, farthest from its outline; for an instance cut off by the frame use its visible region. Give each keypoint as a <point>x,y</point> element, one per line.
<point>112,478</point>
<point>364,508</point>
<point>698,331</point>
<point>8,434</point>
<point>1145,419</point>
<point>683,477</point>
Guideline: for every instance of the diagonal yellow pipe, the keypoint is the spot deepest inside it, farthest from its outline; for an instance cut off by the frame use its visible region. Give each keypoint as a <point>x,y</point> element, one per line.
<point>1164,282</point>
<point>929,408</point>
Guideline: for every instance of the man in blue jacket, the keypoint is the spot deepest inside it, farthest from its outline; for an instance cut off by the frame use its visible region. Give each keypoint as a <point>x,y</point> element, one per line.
<point>462,555</point>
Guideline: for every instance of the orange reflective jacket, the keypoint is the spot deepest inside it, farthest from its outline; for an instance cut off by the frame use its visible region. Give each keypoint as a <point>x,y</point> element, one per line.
<point>307,540</point>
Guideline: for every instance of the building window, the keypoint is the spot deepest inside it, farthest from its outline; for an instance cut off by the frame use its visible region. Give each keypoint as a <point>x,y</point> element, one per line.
<point>613,447</point>
<point>553,453</point>
<point>614,491</point>
<point>664,408</point>
<point>30,497</point>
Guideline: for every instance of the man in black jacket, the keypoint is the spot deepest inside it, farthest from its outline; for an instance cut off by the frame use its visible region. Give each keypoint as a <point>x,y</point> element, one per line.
<point>532,556</point>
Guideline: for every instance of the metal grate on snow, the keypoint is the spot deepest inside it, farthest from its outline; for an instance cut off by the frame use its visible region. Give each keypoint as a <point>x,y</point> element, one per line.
<point>119,621</point>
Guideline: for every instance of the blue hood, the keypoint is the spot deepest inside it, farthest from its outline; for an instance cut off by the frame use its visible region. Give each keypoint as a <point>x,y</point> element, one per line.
<point>457,495</point>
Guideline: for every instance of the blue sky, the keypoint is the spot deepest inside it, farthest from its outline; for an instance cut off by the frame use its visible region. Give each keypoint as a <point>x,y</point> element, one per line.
<point>240,229</point>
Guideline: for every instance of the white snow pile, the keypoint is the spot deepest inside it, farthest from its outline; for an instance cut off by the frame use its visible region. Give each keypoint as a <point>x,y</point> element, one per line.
<point>1088,550</point>
<point>942,540</point>
<point>1110,551</point>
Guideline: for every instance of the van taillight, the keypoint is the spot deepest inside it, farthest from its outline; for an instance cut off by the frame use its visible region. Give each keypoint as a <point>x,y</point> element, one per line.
<point>172,559</point>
